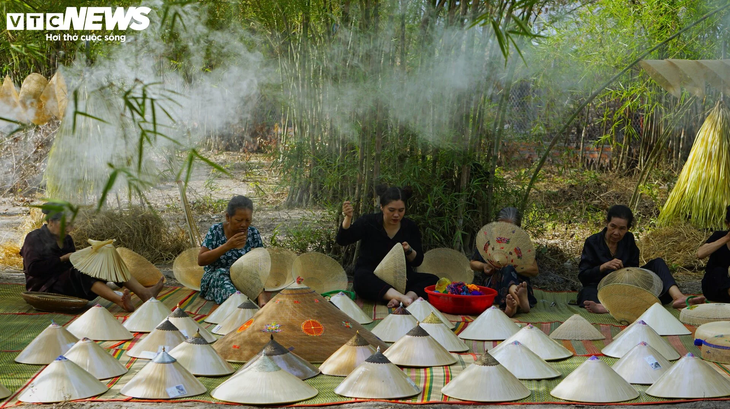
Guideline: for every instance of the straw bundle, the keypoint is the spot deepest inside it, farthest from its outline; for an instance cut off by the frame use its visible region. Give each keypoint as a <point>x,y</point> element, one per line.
<point>101,260</point>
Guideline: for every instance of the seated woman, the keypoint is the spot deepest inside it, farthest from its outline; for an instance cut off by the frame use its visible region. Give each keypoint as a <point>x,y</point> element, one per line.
<point>47,268</point>
<point>514,292</point>
<point>716,281</point>
<point>379,232</point>
<point>613,249</point>
<point>225,243</point>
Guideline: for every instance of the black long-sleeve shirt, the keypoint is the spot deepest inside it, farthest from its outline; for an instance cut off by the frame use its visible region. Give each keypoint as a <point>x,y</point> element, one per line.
<point>596,252</point>
<point>42,263</point>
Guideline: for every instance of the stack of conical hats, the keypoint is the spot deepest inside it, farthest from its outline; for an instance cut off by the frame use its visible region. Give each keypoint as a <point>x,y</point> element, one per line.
<point>266,384</point>
<point>249,273</point>
<point>420,309</point>
<point>345,303</point>
<point>539,343</point>
<point>101,260</point>
<point>89,356</point>
<point>377,378</point>
<point>436,328</point>
<point>417,348</point>
<point>53,341</point>
<point>140,268</point>
<point>199,358</point>
<point>348,357</point>
<point>712,329</point>
<point>280,274</point>
<point>186,269</point>
<point>486,381</point>
<point>395,325</point>
<point>639,332</point>
<point>689,378</point>
<point>166,336</point>
<point>704,313</point>
<point>491,325</point>
<point>62,381</point>
<point>642,365</point>
<point>4,392</point>
<point>147,317</point>
<point>285,360</point>
<point>188,326</point>
<point>662,321</point>
<point>245,311</point>
<point>523,363</point>
<point>100,325</point>
<point>392,268</point>
<point>576,328</point>
<point>446,262</point>
<point>594,381</point>
<point>320,272</point>
<point>225,309</point>
<point>163,378</point>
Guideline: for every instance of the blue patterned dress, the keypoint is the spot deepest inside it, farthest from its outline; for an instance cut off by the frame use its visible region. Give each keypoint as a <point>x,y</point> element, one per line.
<point>216,284</point>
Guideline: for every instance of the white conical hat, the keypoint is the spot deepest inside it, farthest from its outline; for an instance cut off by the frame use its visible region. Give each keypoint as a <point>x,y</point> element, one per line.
<point>392,268</point>
<point>199,358</point>
<point>712,329</point>
<point>436,328</point>
<point>100,325</point>
<point>539,343</point>
<point>449,263</point>
<point>642,365</point>
<point>491,325</point>
<point>346,305</point>
<point>53,341</point>
<point>523,363</point>
<point>689,378</point>
<point>249,273</point>
<point>417,348</point>
<point>662,321</point>
<point>576,328</point>
<point>188,326</point>
<point>163,378</point>
<point>377,378</point>
<point>186,269</point>
<point>486,381</point>
<point>238,317</point>
<point>420,309</point>
<point>225,309</point>
<point>101,260</point>
<point>266,384</point>
<point>640,332</point>
<point>166,336</point>
<point>395,325</point>
<point>147,317</point>
<point>348,357</point>
<point>704,313</point>
<point>62,381</point>
<point>280,275</point>
<point>594,381</point>
<point>320,272</point>
<point>284,359</point>
<point>4,392</point>
<point>88,355</point>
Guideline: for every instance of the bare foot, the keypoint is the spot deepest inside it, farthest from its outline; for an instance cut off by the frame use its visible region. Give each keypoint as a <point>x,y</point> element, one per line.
<point>595,307</point>
<point>681,302</point>
<point>154,290</point>
<point>522,297</point>
<point>511,305</point>
<point>393,303</point>
<point>126,301</point>
<point>412,297</point>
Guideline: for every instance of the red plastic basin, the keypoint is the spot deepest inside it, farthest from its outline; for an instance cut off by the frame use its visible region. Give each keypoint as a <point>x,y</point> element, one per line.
<point>461,304</point>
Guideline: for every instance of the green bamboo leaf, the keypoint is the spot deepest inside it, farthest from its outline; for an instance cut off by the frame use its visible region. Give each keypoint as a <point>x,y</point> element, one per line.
<point>107,187</point>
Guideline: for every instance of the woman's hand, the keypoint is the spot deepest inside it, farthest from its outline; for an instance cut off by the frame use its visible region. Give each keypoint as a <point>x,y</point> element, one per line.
<point>347,211</point>
<point>614,264</point>
<point>408,250</point>
<point>66,257</point>
<point>237,241</point>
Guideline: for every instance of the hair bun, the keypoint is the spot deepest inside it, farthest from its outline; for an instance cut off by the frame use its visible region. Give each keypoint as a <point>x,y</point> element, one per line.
<point>381,189</point>
<point>406,192</point>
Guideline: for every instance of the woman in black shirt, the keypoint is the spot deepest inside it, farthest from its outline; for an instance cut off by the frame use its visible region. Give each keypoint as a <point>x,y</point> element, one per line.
<point>716,281</point>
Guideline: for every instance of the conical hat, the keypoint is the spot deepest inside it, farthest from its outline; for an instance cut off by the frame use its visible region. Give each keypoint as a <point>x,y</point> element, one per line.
<point>249,273</point>
<point>377,378</point>
<point>417,348</point>
<point>505,244</point>
<point>302,319</point>
<point>539,343</point>
<point>486,381</point>
<point>53,341</point>
<point>662,321</point>
<point>92,358</point>
<point>642,365</point>
<point>576,328</point>
<point>345,303</point>
<point>491,325</point>
<point>715,349</point>
<point>188,326</point>
<point>48,99</point>
<point>147,317</point>
<point>449,263</point>
<point>4,392</point>
<point>523,363</point>
<point>245,311</point>
<point>163,378</point>
<point>704,313</point>
<point>665,74</point>
<point>140,268</point>
<point>420,309</point>
<point>625,302</point>
<point>100,325</point>
<point>282,262</point>
<point>101,260</point>
<point>634,276</point>
<point>62,381</point>
<point>348,357</point>
<point>640,332</point>
<point>392,268</point>
<point>395,325</point>
<point>9,101</point>
<point>186,269</point>
<point>199,358</point>
<point>436,328</point>
<point>61,94</point>
<point>29,98</point>
<point>712,329</point>
<point>689,378</point>
<point>224,310</point>
<point>320,272</point>
<point>594,381</point>
<point>166,336</point>
<point>286,360</point>
<point>266,384</point>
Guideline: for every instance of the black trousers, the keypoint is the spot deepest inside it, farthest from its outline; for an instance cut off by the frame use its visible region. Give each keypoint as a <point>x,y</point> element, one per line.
<point>368,286</point>
<point>715,284</point>
<point>589,292</point>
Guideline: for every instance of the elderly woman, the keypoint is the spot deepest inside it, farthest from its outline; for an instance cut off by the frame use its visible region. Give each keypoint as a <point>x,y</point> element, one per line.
<point>514,292</point>
<point>614,248</point>
<point>716,281</point>
<point>225,243</point>
<point>47,268</point>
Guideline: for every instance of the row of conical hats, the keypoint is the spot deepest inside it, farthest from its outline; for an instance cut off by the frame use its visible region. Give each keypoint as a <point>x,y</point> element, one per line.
<point>38,101</point>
